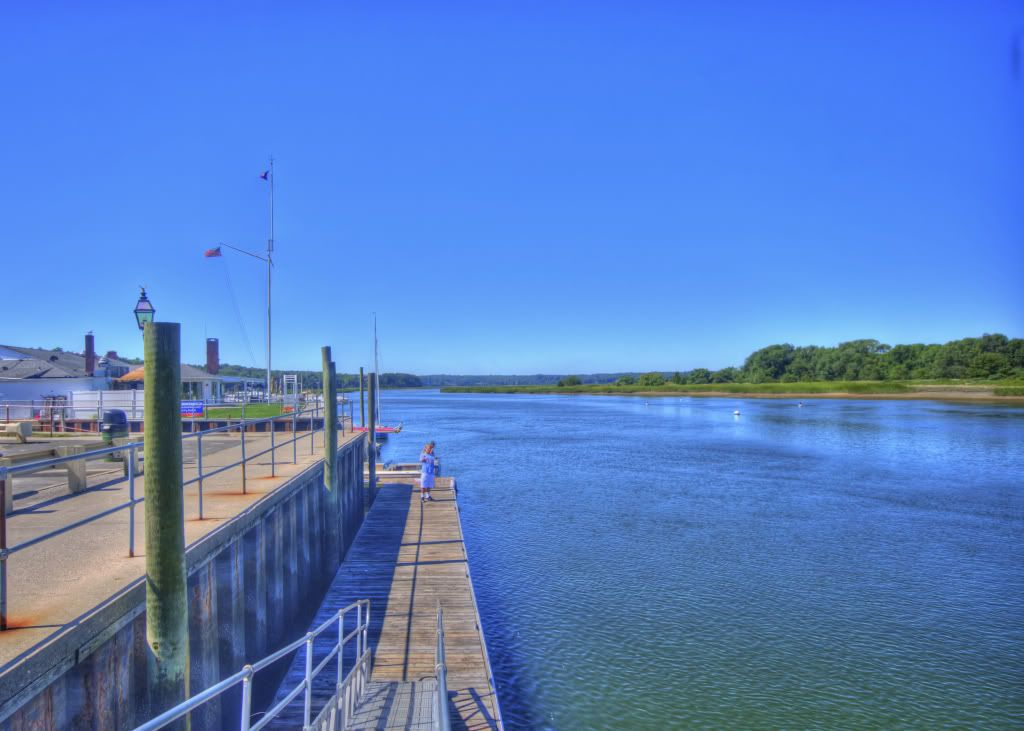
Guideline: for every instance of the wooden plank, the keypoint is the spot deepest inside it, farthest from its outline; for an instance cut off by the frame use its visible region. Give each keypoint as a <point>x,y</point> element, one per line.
<point>394,706</point>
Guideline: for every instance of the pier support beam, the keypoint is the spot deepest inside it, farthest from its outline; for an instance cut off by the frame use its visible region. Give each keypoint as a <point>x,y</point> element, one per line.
<point>371,432</point>
<point>330,419</point>
<point>166,581</point>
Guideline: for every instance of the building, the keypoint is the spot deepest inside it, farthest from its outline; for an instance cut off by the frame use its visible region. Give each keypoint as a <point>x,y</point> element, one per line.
<point>195,383</point>
<point>36,374</point>
<point>33,380</point>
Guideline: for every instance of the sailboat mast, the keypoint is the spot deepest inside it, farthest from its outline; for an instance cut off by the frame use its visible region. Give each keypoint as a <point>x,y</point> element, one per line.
<point>374,342</point>
<point>376,366</point>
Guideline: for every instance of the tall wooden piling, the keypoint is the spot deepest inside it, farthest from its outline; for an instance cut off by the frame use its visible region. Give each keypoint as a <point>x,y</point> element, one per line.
<point>362,401</point>
<point>166,580</point>
<point>330,419</point>
<point>371,433</point>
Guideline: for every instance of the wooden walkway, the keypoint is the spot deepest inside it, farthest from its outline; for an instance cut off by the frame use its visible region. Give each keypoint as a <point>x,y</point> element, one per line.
<point>408,557</point>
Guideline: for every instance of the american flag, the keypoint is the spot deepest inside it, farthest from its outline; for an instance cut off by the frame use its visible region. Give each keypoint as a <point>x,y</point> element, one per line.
<point>215,251</point>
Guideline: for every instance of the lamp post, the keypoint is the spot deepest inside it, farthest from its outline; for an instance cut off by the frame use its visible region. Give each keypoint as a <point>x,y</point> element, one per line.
<point>144,310</point>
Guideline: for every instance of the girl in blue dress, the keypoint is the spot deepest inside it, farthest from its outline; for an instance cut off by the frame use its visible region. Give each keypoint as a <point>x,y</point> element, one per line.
<point>428,467</point>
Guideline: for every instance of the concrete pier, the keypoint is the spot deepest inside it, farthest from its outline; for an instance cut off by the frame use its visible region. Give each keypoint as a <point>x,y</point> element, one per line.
<point>258,565</point>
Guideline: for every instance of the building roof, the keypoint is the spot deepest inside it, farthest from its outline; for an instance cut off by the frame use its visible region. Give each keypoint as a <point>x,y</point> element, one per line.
<point>136,375</point>
<point>188,374</point>
<point>191,373</point>
<point>40,363</point>
<point>32,368</point>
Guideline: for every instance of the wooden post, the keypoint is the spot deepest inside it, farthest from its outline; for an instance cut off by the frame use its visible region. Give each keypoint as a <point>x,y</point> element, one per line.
<point>371,433</point>
<point>166,580</point>
<point>330,418</point>
<point>362,404</point>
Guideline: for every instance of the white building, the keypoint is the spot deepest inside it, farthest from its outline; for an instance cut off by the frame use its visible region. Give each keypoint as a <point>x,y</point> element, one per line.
<point>35,374</point>
<point>82,384</point>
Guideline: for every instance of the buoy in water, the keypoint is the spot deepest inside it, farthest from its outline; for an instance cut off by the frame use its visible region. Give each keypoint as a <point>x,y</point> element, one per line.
<point>736,412</point>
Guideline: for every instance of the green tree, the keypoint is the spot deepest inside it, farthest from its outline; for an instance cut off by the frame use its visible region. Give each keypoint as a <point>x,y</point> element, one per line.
<point>990,365</point>
<point>652,379</point>
<point>767,364</point>
<point>569,381</point>
<point>698,376</point>
<point>625,381</point>
<point>725,375</point>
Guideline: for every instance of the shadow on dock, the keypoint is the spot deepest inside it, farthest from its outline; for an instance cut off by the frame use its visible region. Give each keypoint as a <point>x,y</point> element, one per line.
<point>366,573</point>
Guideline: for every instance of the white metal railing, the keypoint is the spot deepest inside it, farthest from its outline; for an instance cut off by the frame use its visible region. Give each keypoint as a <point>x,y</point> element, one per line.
<point>442,715</point>
<point>349,686</point>
<point>8,471</point>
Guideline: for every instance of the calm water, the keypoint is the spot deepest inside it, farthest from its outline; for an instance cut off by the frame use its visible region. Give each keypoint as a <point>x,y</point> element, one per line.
<point>845,564</point>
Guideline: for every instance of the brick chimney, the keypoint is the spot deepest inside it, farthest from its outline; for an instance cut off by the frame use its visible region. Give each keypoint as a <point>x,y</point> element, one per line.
<point>90,354</point>
<point>212,356</point>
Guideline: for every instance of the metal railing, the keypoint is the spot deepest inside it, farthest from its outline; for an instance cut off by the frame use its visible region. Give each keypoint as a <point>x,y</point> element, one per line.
<point>90,405</point>
<point>8,471</point>
<point>338,710</point>
<point>442,715</point>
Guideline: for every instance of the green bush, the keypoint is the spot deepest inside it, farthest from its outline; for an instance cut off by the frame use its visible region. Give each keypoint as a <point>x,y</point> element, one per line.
<point>652,379</point>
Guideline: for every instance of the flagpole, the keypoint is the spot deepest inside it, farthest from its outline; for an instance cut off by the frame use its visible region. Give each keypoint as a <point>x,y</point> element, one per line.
<point>270,264</point>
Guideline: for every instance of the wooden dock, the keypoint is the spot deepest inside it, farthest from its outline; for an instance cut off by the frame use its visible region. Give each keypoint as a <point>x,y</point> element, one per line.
<point>408,558</point>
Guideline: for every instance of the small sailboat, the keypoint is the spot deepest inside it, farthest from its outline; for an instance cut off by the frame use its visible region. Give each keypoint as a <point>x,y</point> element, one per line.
<point>381,430</point>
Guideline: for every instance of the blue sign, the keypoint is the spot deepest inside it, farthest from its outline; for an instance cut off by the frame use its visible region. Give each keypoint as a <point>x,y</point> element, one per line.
<point>192,409</point>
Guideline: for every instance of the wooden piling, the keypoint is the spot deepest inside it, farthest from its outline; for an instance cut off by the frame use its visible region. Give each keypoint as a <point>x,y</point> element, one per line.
<point>166,580</point>
<point>362,402</point>
<point>330,419</point>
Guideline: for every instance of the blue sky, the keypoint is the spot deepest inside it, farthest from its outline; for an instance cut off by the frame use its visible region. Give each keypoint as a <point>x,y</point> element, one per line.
<point>514,187</point>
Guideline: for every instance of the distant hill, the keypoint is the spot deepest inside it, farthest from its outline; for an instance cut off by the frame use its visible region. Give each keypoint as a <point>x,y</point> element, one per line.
<point>538,379</point>
<point>991,356</point>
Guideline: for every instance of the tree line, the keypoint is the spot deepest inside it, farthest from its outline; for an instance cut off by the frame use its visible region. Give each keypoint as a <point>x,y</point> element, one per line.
<point>991,356</point>
<point>313,380</point>
<point>994,357</point>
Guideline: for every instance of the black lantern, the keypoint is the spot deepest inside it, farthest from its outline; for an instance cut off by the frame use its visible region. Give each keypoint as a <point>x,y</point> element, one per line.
<point>144,310</point>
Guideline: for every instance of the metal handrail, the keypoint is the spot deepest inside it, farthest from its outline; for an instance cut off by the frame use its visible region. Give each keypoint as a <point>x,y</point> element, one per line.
<point>358,673</point>
<point>442,714</point>
<point>131,448</point>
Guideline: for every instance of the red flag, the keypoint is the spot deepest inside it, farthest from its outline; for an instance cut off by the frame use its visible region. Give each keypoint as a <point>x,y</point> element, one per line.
<point>265,175</point>
<point>212,252</point>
